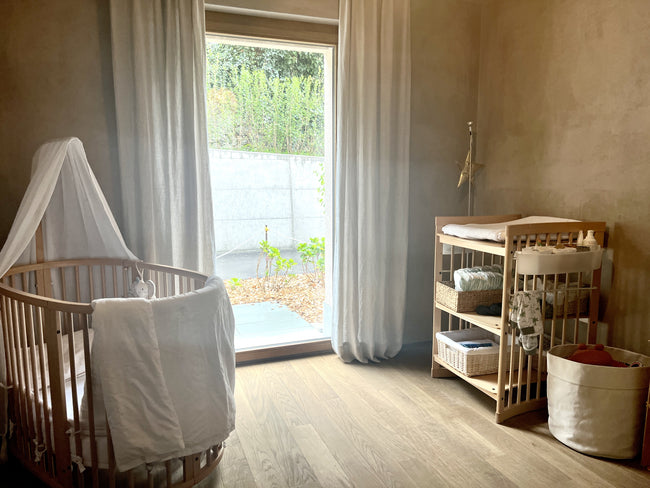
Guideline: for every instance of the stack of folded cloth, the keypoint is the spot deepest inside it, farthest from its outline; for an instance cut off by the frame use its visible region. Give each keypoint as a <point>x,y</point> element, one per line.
<point>489,277</point>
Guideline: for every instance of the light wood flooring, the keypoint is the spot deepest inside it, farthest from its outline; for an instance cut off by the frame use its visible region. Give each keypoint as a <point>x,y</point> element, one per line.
<point>317,422</point>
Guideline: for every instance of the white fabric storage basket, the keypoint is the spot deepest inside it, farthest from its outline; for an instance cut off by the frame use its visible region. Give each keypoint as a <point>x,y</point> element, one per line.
<point>597,410</point>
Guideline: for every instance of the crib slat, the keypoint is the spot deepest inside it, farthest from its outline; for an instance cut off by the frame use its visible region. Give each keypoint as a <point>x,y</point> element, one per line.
<point>67,325</point>
<point>91,282</point>
<point>52,331</point>
<point>29,326</point>
<point>168,473</point>
<point>12,376</point>
<point>125,284</point>
<point>63,285</point>
<point>20,382</point>
<point>83,322</point>
<point>114,281</point>
<point>156,279</point>
<point>188,468</point>
<point>102,272</point>
<point>27,371</point>
<point>38,314</point>
<point>76,278</point>
<point>5,332</point>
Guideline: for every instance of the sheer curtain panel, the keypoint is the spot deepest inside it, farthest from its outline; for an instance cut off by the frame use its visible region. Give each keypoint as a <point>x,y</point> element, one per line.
<point>371,179</point>
<point>159,76</point>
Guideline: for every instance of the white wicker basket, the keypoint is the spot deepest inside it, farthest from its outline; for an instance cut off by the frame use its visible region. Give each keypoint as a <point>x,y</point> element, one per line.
<point>469,361</point>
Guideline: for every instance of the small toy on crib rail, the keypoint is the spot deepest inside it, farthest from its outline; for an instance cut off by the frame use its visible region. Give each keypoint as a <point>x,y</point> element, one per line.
<point>142,289</point>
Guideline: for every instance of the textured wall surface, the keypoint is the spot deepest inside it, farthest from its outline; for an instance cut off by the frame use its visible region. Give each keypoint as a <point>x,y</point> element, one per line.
<point>445,38</point>
<point>55,81</point>
<point>252,190</point>
<point>564,118</point>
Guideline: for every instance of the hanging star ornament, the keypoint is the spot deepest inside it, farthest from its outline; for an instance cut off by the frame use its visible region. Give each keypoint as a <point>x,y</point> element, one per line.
<point>467,167</point>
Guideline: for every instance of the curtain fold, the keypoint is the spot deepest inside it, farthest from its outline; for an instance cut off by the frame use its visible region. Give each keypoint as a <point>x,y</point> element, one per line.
<point>159,77</point>
<point>371,179</point>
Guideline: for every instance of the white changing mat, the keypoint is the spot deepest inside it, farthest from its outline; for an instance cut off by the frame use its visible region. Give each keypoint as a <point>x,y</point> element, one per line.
<point>495,232</point>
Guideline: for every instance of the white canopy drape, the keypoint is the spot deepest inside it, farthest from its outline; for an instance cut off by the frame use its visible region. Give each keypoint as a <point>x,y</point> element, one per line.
<point>64,195</point>
<point>159,77</point>
<point>371,179</point>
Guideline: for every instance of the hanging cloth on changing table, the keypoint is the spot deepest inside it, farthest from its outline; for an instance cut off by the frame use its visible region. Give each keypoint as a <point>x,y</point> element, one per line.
<point>526,317</point>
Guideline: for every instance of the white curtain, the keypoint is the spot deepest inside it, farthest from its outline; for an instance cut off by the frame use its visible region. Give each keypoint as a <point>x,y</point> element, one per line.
<point>371,179</point>
<point>159,77</point>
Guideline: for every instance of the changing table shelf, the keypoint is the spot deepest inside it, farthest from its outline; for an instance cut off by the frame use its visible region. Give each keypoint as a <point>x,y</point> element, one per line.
<point>489,383</point>
<point>487,322</point>
<point>523,388</point>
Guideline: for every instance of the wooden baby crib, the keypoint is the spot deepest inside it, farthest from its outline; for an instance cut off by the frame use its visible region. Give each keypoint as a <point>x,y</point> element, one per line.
<point>46,314</point>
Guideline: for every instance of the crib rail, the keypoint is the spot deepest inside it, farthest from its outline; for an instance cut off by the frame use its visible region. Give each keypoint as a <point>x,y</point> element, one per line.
<point>48,340</point>
<point>81,281</point>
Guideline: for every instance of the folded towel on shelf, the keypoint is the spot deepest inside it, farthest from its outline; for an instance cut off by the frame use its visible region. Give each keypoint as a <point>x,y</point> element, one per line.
<point>488,277</point>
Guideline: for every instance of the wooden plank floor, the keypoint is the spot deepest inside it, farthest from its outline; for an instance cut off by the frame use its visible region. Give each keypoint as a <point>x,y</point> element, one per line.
<point>317,422</point>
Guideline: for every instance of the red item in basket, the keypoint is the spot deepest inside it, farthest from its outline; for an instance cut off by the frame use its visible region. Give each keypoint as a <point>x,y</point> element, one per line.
<point>596,356</point>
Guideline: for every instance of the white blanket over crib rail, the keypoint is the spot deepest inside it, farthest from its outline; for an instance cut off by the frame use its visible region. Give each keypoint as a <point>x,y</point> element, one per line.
<point>164,369</point>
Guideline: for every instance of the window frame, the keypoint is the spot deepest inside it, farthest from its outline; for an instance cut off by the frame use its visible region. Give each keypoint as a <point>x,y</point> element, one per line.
<point>229,24</point>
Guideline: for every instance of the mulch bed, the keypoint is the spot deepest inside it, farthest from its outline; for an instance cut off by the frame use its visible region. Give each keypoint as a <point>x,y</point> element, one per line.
<point>302,293</point>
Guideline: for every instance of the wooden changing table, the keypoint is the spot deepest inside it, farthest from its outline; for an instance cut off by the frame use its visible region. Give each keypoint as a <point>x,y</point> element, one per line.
<point>519,383</point>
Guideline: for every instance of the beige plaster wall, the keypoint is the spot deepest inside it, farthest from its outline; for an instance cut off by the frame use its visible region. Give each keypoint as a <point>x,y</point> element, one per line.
<point>564,118</point>
<point>445,37</point>
<point>55,81</point>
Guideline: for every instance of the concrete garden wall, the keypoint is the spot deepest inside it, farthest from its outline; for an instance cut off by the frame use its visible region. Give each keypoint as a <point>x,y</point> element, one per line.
<point>251,190</point>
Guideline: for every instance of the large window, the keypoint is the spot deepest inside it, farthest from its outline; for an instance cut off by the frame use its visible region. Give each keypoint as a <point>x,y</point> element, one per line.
<point>270,131</point>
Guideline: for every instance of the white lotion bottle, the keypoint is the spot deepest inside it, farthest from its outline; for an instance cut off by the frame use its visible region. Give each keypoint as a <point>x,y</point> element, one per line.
<point>590,241</point>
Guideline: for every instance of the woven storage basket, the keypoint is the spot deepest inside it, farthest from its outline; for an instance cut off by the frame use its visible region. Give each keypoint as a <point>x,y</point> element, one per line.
<point>572,305</point>
<point>472,362</point>
<point>464,301</point>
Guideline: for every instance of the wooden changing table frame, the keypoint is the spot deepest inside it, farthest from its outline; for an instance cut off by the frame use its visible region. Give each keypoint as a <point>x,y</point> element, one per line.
<point>519,385</point>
